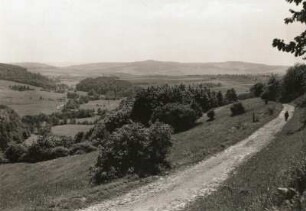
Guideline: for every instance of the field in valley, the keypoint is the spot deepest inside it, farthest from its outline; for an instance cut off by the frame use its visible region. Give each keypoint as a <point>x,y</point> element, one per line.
<point>67,184</point>
<point>69,129</point>
<point>29,102</point>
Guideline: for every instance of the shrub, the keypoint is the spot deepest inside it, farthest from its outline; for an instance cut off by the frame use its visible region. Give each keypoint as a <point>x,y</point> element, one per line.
<point>133,149</point>
<point>180,117</point>
<point>237,109</point>
<point>211,115</point>
<point>15,152</point>
<point>49,147</point>
<point>82,148</point>
<point>271,111</point>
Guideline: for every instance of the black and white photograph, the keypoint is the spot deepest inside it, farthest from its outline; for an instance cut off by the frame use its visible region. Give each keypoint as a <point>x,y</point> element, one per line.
<point>152,105</point>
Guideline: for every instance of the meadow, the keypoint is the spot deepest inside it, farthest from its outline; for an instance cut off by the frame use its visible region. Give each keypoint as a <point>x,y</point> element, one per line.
<point>101,104</point>
<point>29,102</point>
<point>69,129</point>
<point>26,186</point>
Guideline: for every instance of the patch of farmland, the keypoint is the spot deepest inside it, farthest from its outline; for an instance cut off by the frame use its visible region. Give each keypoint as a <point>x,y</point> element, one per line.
<point>29,102</point>
<point>102,104</point>
<point>70,130</point>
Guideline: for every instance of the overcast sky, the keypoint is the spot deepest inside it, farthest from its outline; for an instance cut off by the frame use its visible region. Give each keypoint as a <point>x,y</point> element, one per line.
<point>83,31</point>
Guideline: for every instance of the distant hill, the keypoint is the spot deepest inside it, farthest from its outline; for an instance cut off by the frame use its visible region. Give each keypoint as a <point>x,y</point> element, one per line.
<point>22,75</point>
<point>151,67</point>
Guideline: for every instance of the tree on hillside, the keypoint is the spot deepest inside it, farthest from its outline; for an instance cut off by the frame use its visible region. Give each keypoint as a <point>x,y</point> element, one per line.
<point>272,90</point>
<point>231,95</point>
<point>257,89</point>
<point>294,83</point>
<point>296,46</point>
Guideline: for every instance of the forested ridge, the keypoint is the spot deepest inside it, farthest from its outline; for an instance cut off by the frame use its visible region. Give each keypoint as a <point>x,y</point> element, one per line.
<point>21,75</point>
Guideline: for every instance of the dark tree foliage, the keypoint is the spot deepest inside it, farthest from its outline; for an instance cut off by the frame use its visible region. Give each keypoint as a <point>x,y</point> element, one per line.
<point>296,46</point>
<point>133,149</point>
<point>105,86</point>
<point>21,75</point>
<point>237,109</point>
<point>147,100</point>
<point>211,115</point>
<point>12,130</point>
<point>231,96</point>
<point>272,89</point>
<point>294,83</point>
<point>257,89</point>
<point>16,152</point>
<point>180,117</point>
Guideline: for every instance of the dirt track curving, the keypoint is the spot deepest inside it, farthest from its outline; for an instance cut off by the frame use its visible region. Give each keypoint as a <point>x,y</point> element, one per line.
<point>175,191</point>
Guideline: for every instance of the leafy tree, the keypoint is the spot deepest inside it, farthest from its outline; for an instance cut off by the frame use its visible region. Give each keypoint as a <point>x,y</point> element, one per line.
<point>133,149</point>
<point>272,89</point>
<point>296,46</point>
<point>257,89</point>
<point>237,109</point>
<point>180,117</point>
<point>231,95</point>
<point>220,98</point>
<point>294,83</point>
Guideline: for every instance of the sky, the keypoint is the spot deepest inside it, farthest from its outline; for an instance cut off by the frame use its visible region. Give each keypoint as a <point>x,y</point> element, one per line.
<point>85,31</point>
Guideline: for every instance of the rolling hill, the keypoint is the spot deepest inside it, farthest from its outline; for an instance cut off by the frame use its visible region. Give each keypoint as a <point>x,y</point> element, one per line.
<point>151,67</point>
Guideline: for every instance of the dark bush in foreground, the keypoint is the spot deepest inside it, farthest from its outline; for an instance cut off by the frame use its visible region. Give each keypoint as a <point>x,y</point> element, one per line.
<point>237,109</point>
<point>180,117</point>
<point>15,152</point>
<point>211,115</point>
<point>133,149</point>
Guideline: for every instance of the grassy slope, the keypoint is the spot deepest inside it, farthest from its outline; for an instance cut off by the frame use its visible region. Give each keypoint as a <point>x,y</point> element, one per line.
<point>254,185</point>
<point>70,130</point>
<point>63,183</point>
<point>29,102</point>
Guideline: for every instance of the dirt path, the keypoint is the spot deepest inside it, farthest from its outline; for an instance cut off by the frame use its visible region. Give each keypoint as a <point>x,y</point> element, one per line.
<point>175,191</point>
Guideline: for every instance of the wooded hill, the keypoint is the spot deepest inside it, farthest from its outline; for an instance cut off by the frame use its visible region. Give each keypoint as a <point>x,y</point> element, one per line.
<point>21,75</point>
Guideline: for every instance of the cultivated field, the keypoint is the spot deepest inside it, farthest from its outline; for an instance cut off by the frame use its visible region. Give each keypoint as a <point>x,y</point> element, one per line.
<point>70,130</point>
<point>25,186</point>
<point>102,104</point>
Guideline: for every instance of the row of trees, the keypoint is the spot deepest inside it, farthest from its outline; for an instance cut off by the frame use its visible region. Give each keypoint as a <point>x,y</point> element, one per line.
<point>40,122</point>
<point>47,148</point>
<point>20,88</point>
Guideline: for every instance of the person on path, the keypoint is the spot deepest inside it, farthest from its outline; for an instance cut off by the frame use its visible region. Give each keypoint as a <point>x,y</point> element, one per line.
<point>286,115</point>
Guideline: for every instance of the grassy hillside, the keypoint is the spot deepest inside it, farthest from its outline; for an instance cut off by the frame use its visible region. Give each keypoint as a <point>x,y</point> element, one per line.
<point>66,186</point>
<point>254,186</point>
<point>20,74</point>
<point>29,102</point>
